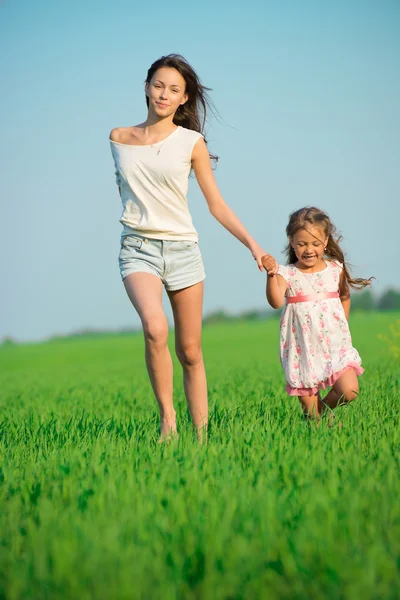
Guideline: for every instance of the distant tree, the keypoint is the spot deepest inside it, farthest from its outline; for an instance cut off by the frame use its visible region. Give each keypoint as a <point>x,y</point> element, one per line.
<point>363,301</point>
<point>219,316</point>
<point>254,315</point>
<point>390,300</point>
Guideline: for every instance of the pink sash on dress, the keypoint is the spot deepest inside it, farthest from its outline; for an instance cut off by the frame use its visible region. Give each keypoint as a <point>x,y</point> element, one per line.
<point>310,297</point>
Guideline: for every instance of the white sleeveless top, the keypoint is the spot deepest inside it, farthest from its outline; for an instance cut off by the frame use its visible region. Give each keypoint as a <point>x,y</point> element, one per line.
<point>154,182</point>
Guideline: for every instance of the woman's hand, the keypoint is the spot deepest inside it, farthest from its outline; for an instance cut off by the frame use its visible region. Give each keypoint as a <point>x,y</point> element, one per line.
<point>269,263</point>
<point>258,254</point>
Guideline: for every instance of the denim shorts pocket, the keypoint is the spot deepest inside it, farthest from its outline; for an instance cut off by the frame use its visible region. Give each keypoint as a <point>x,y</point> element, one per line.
<point>189,244</point>
<point>131,242</point>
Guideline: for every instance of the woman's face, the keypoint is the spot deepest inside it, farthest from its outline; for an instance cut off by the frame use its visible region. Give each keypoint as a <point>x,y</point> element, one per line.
<point>166,92</point>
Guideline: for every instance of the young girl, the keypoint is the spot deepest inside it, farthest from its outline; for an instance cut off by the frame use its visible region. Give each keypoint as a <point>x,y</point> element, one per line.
<point>315,343</point>
<point>159,244</point>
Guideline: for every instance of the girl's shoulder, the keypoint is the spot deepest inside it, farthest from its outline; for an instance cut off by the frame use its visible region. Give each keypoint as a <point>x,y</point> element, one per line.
<point>286,271</point>
<point>335,264</point>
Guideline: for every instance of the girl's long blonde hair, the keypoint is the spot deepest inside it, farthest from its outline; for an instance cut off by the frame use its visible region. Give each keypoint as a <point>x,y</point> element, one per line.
<point>315,217</point>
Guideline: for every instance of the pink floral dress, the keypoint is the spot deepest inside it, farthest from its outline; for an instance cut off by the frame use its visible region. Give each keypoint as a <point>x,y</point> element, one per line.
<point>315,340</point>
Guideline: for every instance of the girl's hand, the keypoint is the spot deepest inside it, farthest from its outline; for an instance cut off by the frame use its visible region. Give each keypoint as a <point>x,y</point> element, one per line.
<point>269,263</point>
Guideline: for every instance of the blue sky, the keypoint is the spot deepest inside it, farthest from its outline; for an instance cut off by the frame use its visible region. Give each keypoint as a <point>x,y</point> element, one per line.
<point>309,97</point>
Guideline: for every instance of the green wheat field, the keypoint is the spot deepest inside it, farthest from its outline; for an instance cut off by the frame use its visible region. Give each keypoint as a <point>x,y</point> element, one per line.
<point>91,507</point>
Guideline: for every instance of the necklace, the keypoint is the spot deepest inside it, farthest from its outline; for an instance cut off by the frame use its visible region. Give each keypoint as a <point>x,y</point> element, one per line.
<point>162,142</point>
<point>159,149</point>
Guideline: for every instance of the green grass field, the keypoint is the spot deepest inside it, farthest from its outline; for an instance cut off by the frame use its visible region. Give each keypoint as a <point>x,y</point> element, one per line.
<point>91,507</point>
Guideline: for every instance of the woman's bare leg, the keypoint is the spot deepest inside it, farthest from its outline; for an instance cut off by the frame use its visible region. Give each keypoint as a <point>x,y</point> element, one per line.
<point>145,293</point>
<point>345,390</point>
<point>187,305</point>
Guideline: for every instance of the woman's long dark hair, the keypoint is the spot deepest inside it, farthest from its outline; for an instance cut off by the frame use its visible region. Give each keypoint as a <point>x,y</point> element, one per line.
<point>193,113</point>
<point>314,217</point>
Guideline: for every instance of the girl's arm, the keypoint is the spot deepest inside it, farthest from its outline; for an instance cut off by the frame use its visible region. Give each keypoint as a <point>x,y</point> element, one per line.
<point>344,293</point>
<point>217,205</point>
<point>276,284</point>
<point>276,288</point>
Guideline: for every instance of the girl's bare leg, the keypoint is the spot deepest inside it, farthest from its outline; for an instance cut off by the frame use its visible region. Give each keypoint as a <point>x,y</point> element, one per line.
<point>311,406</point>
<point>145,293</point>
<point>345,390</point>
<point>187,307</point>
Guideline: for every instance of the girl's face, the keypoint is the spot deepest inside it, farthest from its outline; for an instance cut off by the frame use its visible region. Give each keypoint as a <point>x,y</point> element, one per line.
<point>309,246</point>
<point>166,92</point>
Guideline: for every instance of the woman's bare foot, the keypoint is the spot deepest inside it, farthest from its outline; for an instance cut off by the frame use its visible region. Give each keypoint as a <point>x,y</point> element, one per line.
<point>202,434</point>
<point>168,430</point>
<point>167,439</point>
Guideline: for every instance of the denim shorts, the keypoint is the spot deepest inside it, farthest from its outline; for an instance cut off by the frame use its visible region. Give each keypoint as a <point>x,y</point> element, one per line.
<point>177,263</point>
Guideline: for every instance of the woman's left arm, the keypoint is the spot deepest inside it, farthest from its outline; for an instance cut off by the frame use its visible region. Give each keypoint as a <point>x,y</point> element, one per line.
<point>217,205</point>
<point>344,293</point>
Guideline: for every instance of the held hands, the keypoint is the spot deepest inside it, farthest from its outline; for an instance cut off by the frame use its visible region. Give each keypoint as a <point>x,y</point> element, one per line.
<point>259,255</point>
<point>269,263</point>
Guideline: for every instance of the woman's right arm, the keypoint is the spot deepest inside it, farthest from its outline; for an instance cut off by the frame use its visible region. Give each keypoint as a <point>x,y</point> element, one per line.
<point>217,205</point>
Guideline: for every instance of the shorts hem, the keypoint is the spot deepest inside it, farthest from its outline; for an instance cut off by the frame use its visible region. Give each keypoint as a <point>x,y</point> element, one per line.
<point>149,271</point>
<point>175,288</point>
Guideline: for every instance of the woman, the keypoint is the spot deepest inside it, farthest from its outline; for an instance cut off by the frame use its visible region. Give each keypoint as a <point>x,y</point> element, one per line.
<point>159,244</point>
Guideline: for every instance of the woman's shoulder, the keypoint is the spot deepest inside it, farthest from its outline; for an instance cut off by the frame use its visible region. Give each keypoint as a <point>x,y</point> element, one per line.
<point>115,134</point>
<point>190,134</point>
<point>187,139</point>
<point>122,135</point>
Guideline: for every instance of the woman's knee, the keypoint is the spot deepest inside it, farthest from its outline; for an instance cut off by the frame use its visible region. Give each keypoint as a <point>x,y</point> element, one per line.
<point>189,355</point>
<point>155,331</point>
